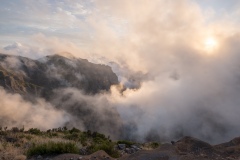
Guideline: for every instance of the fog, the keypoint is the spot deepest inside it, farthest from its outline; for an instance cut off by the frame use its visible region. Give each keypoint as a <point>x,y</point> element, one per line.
<point>185,69</point>
<point>17,112</point>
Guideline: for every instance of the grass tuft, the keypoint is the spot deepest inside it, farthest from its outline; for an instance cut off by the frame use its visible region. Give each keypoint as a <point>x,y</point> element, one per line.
<point>53,148</point>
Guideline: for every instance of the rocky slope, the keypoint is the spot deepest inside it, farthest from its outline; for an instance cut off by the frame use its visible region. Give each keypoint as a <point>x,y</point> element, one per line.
<point>187,148</point>
<point>40,77</point>
<point>18,144</point>
<point>66,84</point>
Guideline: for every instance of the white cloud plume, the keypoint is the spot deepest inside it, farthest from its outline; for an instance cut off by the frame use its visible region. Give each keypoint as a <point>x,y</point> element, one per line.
<point>17,112</point>
<point>192,91</point>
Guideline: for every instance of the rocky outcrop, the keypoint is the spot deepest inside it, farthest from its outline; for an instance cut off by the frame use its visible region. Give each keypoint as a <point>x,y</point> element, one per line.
<point>189,148</point>
<point>193,145</point>
<point>230,149</point>
<point>40,77</point>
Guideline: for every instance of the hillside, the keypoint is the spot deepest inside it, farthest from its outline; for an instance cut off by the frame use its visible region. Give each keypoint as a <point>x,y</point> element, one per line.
<point>68,86</point>
<point>73,144</point>
<point>40,77</point>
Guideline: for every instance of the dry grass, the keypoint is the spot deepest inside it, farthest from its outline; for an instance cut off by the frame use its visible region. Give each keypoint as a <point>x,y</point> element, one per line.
<point>20,157</point>
<point>17,144</point>
<point>14,146</point>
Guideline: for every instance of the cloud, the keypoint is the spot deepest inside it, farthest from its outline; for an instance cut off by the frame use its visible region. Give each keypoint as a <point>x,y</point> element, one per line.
<point>16,112</point>
<point>25,50</point>
<point>89,112</point>
<point>165,39</point>
<point>11,63</point>
<point>191,91</point>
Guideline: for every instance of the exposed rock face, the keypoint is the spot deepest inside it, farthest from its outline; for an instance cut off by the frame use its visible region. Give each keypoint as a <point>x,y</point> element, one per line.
<point>66,83</point>
<point>13,78</point>
<point>40,77</point>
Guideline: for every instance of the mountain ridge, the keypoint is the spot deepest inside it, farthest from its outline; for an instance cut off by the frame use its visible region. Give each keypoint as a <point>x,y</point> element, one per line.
<point>41,76</point>
<point>70,86</point>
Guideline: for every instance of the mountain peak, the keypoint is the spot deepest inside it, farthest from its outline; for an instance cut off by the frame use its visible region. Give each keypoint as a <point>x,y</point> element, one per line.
<point>15,45</point>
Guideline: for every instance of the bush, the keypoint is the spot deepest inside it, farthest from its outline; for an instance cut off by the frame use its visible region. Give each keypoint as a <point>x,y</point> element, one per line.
<point>154,145</point>
<point>53,148</point>
<point>74,130</point>
<point>34,131</point>
<point>128,143</point>
<point>28,137</point>
<point>74,136</point>
<point>98,135</point>
<point>108,147</point>
<point>83,139</point>
<point>15,129</point>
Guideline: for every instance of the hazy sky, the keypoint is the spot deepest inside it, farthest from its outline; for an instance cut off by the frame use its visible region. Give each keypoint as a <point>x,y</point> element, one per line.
<point>65,19</point>
<point>219,5</point>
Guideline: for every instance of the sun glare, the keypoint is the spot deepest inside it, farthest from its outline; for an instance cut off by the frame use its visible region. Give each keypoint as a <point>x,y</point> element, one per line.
<point>210,44</point>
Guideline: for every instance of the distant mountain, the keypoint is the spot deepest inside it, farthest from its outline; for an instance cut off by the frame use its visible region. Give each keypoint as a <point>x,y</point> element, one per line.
<point>40,77</point>
<point>69,84</point>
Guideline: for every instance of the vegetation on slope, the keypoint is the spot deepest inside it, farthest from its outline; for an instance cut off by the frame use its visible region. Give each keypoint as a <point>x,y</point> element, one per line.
<point>34,142</point>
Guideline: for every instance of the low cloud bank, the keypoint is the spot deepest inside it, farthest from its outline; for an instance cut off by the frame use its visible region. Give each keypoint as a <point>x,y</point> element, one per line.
<point>188,81</point>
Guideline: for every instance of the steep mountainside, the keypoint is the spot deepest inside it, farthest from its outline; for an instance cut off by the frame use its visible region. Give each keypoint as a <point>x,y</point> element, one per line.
<point>70,85</point>
<point>41,77</point>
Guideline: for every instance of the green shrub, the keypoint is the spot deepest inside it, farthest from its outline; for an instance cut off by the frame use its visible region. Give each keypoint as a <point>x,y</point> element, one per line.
<point>83,139</point>
<point>128,143</point>
<point>74,130</point>
<point>52,148</point>
<point>154,145</point>
<point>73,136</point>
<point>28,137</point>
<point>15,129</point>
<point>34,131</point>
<point>108,147</point>
<point>3,133</point>
<point>98,140</point>
<point>50,135</point>
<point>98,135</point>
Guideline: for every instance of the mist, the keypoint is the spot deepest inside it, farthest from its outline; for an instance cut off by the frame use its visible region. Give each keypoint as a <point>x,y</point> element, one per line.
<point>173,82</point>
<point>17,112</point>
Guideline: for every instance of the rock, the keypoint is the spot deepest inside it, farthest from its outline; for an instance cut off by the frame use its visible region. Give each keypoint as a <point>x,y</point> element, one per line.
<point>121,146</point>
<point>130,150</point>
<point>192,145</point>
<point>135,148</point>
<point>39,157</point>
<point>75,72</point>
<point>83,151</point>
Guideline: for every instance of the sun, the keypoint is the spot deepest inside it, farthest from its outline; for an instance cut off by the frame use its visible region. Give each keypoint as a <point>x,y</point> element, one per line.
<point>210,44</point>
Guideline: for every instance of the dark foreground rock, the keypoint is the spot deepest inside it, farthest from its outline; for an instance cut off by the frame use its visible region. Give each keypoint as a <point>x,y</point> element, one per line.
<point>189,148</point>
<point>99,155</point>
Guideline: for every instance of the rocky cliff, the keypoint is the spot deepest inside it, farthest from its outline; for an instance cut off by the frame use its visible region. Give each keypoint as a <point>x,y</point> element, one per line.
<point>40,77</point>
<point>71,85</point>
